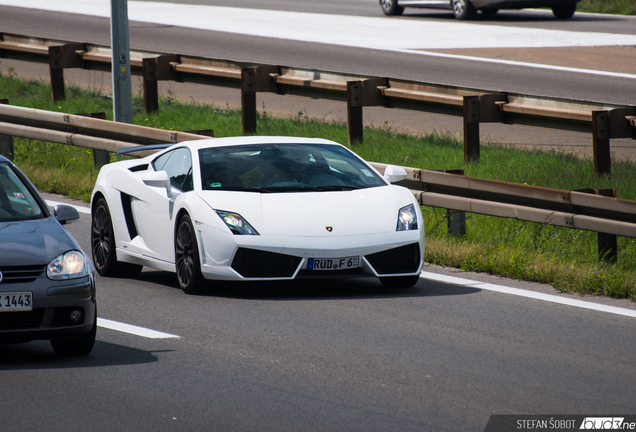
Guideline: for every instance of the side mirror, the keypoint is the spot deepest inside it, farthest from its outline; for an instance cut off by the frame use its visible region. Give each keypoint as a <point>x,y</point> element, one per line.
<point>65,214</point>
<point>158,179</point>
<point>394,174</point>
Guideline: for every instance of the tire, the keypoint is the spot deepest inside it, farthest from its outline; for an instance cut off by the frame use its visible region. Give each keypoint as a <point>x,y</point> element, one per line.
<point>463,9</point>
<point>391,7</point>
<point>399,281</point>
<point>80,345</point>
<point>103,245</point>
<point>564,11</point>
<point>187,262</point>
<point>489,11</point>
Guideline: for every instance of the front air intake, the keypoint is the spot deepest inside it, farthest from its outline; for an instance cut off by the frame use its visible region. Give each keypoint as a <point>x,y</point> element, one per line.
<point>252,263</point>
<point>404,259</point>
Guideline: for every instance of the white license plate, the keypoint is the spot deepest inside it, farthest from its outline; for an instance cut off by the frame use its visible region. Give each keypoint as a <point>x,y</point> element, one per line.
<point>16,302</point>
<point>332,263</point>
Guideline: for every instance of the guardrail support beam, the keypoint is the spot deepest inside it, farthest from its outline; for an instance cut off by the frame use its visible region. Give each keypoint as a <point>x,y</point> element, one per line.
<point>601,142</point>
<point>360,94</point>
<point>156,69</point>
<point>61,57</point>
<point>471,129</point>
<point>6,141</point>
<point>608,243</point>
<point>100,157</point>
<point>248,99</point>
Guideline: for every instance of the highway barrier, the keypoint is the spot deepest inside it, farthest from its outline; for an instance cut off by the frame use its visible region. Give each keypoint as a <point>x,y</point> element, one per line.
<point>603,121</point>
<point>591,210</point>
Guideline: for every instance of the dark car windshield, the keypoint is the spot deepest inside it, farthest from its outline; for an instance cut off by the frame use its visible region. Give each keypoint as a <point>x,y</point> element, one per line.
<point>285,168</point>
<point>16,202</point>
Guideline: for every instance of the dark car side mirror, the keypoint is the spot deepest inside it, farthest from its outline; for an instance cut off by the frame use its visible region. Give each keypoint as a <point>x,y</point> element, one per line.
<point>65,214</point>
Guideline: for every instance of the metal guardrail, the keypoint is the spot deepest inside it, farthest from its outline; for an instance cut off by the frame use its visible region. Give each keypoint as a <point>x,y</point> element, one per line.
<point>591,210</point>
<point>603,121</point>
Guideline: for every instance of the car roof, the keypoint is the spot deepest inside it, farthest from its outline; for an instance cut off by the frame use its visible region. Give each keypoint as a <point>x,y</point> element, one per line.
<point>254,140</point>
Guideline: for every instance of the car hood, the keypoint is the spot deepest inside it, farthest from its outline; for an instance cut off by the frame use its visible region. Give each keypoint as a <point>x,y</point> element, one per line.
<point>356,212</point>
<point>34,242</point>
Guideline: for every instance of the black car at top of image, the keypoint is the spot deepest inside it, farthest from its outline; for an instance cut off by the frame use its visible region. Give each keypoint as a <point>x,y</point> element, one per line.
<point>47,286</point>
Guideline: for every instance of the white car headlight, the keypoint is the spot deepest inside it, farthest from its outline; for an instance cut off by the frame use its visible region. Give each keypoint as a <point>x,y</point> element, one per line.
<point>407,218</point>
<point>69,265</point>
<point>236,223</point>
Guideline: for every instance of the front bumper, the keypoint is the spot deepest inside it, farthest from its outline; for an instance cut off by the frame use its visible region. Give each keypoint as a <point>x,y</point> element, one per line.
<point>53,303</point>
<point>233,257</point>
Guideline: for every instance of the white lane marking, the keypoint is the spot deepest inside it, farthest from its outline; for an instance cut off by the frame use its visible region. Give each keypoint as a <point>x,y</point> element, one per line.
<point>133,329</point>
<point>80,209</point>
<point>381,33</point>
<point>529,294</point>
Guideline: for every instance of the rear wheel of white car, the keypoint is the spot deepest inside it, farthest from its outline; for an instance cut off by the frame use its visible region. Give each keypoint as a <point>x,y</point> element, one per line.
<point>103,245</point>
<point>187,263</point>
<point>391,7</point>
<point>564,11</point>
<point>76,345</point>
<point>399,281</point>
<point>463,9</point>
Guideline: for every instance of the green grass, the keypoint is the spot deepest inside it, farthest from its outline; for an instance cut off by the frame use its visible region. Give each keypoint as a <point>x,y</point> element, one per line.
<point>563,257</point>
<point>619,7</point>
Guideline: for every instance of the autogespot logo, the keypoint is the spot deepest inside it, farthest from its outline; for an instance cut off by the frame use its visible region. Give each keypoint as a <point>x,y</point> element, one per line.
<point>606,423</point>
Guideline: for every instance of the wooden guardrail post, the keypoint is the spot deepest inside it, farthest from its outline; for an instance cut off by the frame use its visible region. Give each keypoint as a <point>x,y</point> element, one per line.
<point>248,99</point>
<point>601,142</point>
<point>61,57</point>
<point>6,141</point>
<point>254,79</point>
<point>608,243</point>
<point>155,69</point>
<point>100,157</point>
<point>471,129</point>
<point>360,94</point>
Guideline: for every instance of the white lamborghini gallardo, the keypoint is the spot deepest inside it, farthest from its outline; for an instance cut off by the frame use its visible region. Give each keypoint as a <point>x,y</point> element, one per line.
<point>256,208</point>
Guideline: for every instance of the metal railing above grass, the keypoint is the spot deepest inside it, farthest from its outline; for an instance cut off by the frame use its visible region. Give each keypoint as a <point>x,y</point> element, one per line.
<point>590,210</point>
<point>475,106</point>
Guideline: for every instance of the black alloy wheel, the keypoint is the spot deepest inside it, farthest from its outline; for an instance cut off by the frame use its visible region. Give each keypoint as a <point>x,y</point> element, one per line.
<point>103,245</point>
<point>187,263</point>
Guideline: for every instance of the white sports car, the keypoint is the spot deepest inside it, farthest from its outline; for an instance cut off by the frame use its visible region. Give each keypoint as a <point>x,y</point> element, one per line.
<point>256,208</point>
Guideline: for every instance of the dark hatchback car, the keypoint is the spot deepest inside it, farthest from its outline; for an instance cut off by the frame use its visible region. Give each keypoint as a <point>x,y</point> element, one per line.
<point>47,286</point>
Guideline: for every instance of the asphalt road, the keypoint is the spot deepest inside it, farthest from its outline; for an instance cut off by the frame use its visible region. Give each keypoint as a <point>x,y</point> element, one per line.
<point>307,357</point>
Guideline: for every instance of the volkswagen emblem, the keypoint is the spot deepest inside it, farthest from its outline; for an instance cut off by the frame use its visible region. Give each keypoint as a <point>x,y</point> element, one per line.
<point>329,228</point>
<point>1,277</point>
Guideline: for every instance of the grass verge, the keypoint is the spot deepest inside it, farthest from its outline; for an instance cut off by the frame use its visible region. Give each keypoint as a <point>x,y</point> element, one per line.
<point>618,7</point>
<point>564,258</point>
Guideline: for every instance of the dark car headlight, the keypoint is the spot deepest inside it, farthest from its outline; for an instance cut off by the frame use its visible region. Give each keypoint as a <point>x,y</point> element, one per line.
<point>69,265</point>
<point>407,218</point>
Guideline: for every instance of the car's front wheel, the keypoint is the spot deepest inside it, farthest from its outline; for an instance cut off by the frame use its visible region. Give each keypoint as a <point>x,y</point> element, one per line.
<point>103,245</point>
<point>76,345</point>
<point>391,7</point>
<point>564,11</point>
<point>463,9</point>
<point>187,263</point>
<point>399,281</point>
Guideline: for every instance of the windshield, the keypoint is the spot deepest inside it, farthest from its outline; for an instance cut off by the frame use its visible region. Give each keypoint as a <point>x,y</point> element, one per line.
<point>285,168</point>
<point>16,202</point>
